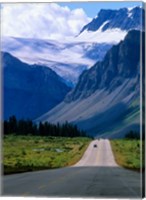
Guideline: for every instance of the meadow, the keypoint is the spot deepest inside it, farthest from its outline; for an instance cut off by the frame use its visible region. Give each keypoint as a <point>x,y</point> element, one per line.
<point>127,153</point>
<point>29,153</point>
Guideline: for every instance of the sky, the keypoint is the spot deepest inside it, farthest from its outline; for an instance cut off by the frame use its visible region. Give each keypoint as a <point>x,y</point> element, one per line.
<point>51,20</point>
<point>93,8</point>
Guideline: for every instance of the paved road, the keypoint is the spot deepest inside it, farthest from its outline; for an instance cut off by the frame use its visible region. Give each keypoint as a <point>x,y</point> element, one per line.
<point>100,156</point>
<point>95,175</point>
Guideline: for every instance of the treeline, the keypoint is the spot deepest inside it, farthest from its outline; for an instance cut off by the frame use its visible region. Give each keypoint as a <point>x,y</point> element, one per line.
<point>27,127</point>
<point>132,135</point>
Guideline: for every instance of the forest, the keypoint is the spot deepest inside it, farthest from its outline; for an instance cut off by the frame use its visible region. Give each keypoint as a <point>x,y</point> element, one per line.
<point>28,127</point>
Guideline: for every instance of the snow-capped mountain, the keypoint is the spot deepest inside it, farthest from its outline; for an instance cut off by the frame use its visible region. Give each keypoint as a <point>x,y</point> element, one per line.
<point>109,23</point>
<point>69,58</point>
<point>29,90</point>
<point>106,99</point>
<point>124,19</point>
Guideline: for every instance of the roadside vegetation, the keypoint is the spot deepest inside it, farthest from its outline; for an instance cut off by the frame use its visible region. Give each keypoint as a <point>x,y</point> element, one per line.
<point>28,146</point>
<point>29,153</point>
<point>127,151</point>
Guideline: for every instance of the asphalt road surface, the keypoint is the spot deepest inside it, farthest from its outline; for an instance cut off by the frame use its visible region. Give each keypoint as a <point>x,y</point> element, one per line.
<point>101,155</point>
<point>95,175</point>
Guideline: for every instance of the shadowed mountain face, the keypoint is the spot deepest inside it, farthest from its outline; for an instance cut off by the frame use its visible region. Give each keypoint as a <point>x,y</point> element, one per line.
<point>29,90</point>
<point>68,59</point>
<point>124,19</point>
<point>121,62</point>
<point>106,98</point>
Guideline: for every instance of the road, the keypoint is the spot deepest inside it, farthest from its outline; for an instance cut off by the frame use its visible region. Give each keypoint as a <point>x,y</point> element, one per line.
<point>95,175</point>
<point>100,156</point>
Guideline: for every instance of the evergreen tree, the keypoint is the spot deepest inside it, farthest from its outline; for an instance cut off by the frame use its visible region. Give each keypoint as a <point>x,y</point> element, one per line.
<point>6,128</point>
<point>12,124</point>
<point>27,127</point>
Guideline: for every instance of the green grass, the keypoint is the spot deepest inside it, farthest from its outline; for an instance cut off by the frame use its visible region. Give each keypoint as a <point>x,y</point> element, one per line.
<point>29,153</point>
<point>127,153</point>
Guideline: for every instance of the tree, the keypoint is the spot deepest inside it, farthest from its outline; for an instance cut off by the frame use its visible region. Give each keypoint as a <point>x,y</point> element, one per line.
<point>27,127</point>
<point>6,128</point>
<point>12,124</point>
<point>132,135</point>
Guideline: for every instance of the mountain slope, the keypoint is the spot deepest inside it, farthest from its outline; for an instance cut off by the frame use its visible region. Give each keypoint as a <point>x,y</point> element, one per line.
<point>124,19</point>
<point>69,58</point>
<point>29,90</point>
<point>109,23</point>
<point>117,65</point>
<point>106,98</point>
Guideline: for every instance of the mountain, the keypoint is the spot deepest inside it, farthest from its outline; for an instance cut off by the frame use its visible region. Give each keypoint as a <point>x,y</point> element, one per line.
<point>124,19</point>
<point>106,100</point>
<point>67,59</point>
<point>29,90</point>
<point>111,72</point>
<point>109,23</point>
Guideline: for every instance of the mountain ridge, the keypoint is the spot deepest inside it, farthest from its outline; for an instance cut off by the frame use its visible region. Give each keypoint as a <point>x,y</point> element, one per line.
<point>112,109</point>
<point>122,18</point>
<point>102,73</point>
<point>69,58</point>
<point>31,89</point>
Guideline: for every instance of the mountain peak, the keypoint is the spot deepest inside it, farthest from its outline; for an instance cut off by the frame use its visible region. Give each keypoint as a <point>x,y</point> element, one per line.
<point>120,62</point>
<point>106,98</point>
<point>28,88</point>
<point>124,19</point>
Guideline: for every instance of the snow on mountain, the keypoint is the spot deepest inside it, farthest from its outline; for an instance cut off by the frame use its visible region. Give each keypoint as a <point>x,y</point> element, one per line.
<point>113,19</point>
<point>67,59</point>
<point>103,37</point>
<point>109,23</point>
<point>106,99</point>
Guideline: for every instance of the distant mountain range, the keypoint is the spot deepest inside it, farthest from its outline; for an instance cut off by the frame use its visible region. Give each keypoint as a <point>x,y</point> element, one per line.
<point>71,57</point>
<point>29,90</point>
<point>106,100</point>
<point>120,62</point>
<point>111,26</point>
<point>125,19</point>
<point>67,59</point>
<point>101,65</point>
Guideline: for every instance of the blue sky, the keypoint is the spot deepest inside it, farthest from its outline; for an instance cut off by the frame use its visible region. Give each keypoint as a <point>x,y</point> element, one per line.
<point>92,8</point>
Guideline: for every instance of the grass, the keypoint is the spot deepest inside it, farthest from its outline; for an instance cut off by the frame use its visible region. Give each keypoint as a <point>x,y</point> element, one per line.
<point>30,153</point>
<point>127,153</point>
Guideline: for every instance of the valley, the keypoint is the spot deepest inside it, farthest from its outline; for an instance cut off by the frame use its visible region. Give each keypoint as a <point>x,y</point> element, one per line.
<point>72,99</point>
<point>90,80</point>
<point>68,59</point>
<point>108,93</point>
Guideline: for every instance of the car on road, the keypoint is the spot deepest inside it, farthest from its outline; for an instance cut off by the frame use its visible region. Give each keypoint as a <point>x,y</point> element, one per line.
<point>95,145</point>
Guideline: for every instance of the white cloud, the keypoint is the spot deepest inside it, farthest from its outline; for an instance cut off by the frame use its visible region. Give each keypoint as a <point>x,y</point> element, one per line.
<point>41,20</point>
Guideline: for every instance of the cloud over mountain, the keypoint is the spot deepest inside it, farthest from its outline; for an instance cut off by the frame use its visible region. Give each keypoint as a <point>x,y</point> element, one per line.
<point>36,20</point>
